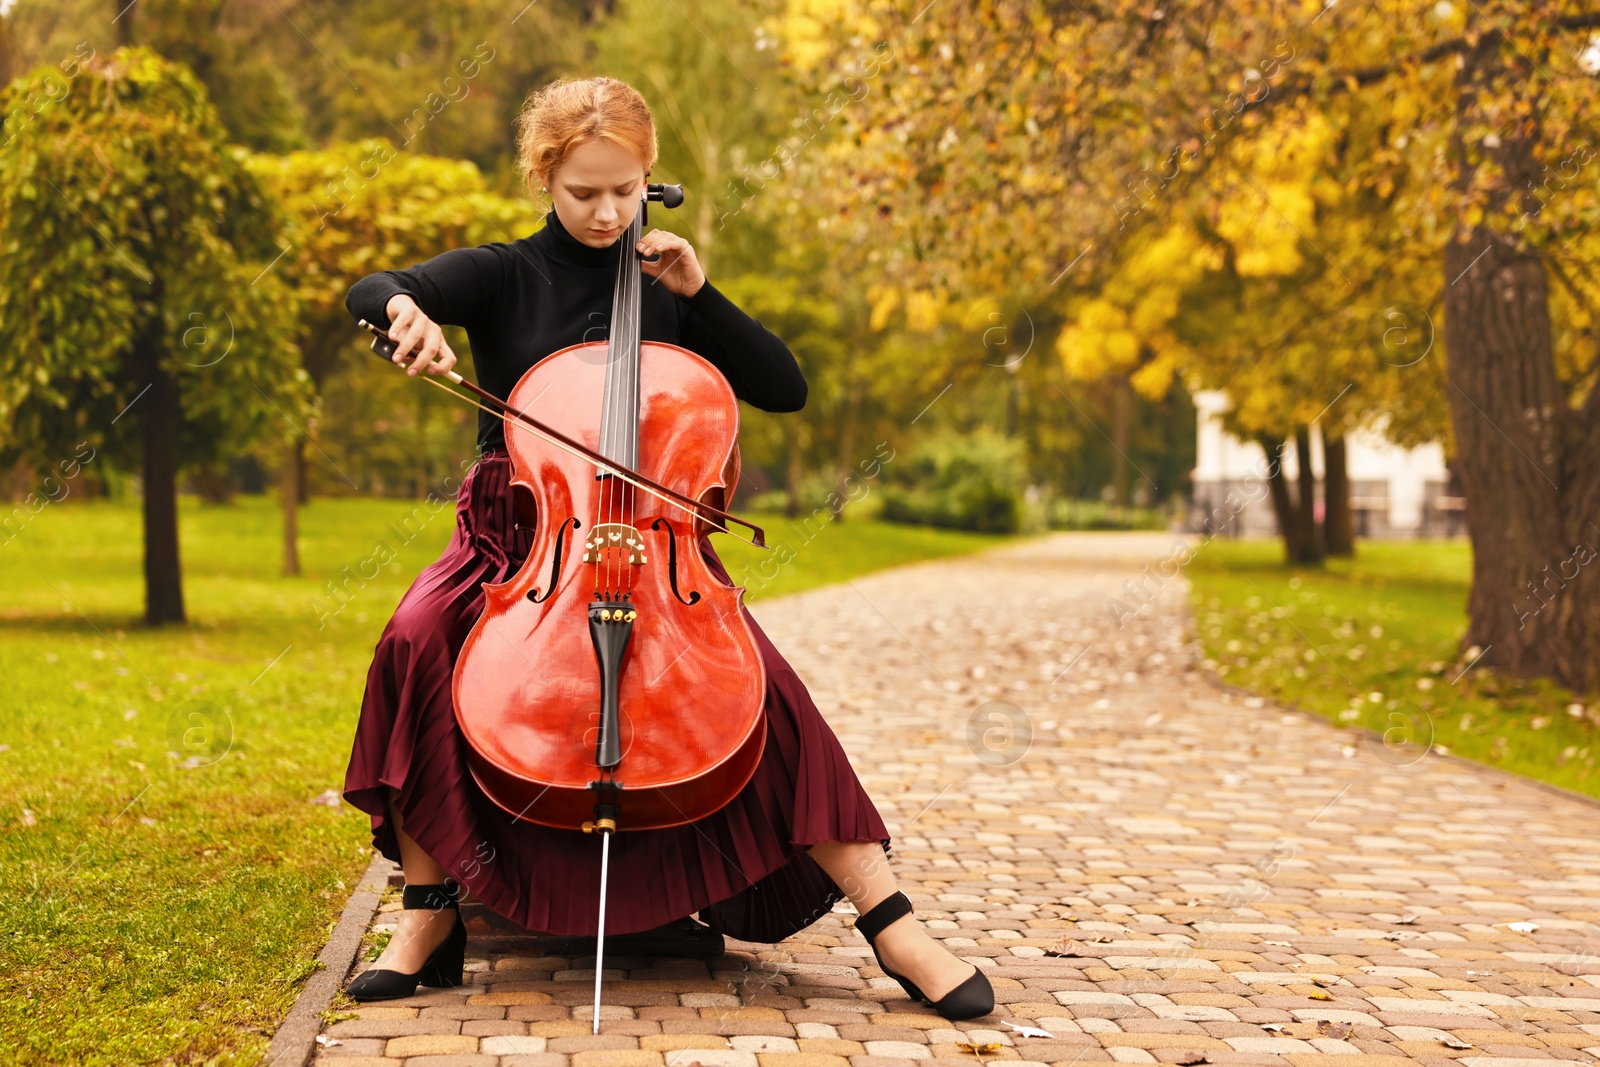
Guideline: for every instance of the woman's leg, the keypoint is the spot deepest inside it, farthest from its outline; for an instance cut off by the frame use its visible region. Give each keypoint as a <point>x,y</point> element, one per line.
<point>420,930</point>
<point>862,870</point>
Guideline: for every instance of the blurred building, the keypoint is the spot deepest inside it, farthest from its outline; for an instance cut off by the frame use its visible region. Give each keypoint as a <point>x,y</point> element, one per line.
<point>1394,492</point>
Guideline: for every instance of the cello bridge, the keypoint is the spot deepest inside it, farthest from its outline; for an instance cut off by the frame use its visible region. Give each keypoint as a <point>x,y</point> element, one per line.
<point>614,537</point>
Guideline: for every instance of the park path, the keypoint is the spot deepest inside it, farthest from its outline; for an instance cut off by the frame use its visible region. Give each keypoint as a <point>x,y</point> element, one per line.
<point>1168,872</point>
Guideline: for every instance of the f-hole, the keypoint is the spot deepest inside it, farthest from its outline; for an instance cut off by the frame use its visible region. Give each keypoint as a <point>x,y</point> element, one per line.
<point>555,563</point>
<point>672,560</point>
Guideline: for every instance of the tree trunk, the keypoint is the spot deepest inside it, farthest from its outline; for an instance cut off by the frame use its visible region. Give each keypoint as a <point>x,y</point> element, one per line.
<point>5,51</point>
<point>1119,442</point>
<point>1282,504</point>
<point>847,448</point>
<point>301,471</point>
<point>794,470</point>
<point>1013,398</point>
<point>705,229</point>
<point>289,488</point>
<point>1529,462</point>
<point>1306,503</point>
<point>1339,527</point>
<point>163,576</point>
<point>122,15</point>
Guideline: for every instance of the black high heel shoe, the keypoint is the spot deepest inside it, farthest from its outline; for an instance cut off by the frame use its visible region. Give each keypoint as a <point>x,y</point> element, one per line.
<point>969,1000</point>
<point>445,967</point>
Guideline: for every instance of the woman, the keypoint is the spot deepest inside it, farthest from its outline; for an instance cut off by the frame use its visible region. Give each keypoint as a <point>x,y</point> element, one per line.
<point>802,833</point>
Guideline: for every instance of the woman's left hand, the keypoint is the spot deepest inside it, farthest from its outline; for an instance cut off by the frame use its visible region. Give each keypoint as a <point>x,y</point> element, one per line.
<point>677,269</point>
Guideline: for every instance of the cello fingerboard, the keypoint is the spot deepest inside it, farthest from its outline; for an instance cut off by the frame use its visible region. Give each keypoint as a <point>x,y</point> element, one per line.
<point>619,419</point>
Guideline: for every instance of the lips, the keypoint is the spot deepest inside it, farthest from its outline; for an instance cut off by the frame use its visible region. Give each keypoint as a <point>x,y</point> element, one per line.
<point>603,233</point>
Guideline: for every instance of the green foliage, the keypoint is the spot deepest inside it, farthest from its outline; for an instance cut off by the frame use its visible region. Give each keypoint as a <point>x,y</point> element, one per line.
<point>352,209</point>
<point>122,211</point>
<point>357,207</point>
<point>1068,514</point>
<point>440,78</point>
<point>968,482</point>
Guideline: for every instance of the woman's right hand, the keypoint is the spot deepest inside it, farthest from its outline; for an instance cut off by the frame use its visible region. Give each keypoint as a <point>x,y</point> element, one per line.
<point>417,333</point>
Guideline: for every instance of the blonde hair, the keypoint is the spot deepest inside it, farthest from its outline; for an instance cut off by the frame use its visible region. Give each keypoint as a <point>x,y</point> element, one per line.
<point>567,113</point>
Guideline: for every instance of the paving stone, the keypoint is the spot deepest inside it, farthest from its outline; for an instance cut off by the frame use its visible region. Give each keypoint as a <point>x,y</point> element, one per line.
<point>430,1045</point>
<point>494,1028</point>
<point>616,1057</point>
<point>710,1057</point>
<point>358,1046</point>
<point>1159,829</point>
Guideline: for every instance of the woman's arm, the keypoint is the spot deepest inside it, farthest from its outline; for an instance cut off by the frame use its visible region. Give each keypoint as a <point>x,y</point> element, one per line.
<point>756,362</point>
<point>454,287</point>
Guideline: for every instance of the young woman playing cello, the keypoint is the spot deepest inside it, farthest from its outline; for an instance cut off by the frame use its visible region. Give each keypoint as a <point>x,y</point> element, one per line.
<point>802,833</point>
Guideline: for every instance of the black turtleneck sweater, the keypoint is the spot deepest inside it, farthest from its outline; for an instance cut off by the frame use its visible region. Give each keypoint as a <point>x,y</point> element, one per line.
<point>524,300</point>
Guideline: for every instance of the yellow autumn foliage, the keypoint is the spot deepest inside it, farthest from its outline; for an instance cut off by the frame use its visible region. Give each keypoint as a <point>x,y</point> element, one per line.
<point>1126,327</point>
<point>1266,214</point>
<point>811,29</point>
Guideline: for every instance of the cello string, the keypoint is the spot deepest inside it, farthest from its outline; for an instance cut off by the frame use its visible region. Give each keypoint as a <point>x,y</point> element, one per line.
<point>511,420</point>
<point>607,431</point>
<point>630,426</point>
<point>616,367</point>
<point>616,396</point>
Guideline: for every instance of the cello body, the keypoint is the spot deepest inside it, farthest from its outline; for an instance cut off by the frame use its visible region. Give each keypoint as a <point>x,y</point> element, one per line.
<point>689,685</point>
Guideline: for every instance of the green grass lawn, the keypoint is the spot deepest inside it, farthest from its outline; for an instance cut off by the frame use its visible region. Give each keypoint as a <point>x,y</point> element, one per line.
<point>1372,642</point>
<point>167,878</point>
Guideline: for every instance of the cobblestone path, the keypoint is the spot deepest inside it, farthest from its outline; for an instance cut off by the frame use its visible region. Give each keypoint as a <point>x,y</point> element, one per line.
<point>1166,872</point>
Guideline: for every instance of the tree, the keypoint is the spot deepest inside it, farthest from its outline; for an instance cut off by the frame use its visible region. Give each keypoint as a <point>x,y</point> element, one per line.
<point>136,288</point>
<point>357,208</point>
<point>444,79</point>
<point>1527,414</point>
<point>1117,109</point>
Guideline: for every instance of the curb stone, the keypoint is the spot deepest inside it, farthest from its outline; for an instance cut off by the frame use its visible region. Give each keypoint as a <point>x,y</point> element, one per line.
<point>296,1038</point>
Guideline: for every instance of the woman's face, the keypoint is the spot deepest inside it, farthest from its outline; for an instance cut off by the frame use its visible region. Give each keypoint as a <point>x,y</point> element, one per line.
<point>596,192</point>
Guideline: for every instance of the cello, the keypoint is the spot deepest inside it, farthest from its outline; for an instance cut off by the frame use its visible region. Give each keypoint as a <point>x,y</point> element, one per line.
<point>613,682</point>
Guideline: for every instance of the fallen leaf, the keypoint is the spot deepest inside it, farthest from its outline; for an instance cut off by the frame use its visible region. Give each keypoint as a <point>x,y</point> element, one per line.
<point>1324,981</point>
<point>1329,1028</point>
<point>1272,1027</point>
<point>1066,947</point>
<point>1317,994</point>
<point>1454,1042</point>
<point>986,1049</point>
<point>1285,944</point>
<point>1028,1031</point>
<point>1523,927</point>
<point>1405,920</point>
<point>1187,1058</point>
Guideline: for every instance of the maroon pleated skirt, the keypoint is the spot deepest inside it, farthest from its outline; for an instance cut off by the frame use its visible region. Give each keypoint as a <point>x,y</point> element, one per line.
<point>743,868</point>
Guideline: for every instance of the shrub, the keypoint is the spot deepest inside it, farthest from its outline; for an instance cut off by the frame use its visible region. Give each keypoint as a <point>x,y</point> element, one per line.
<point>968,482</point>
<point>1068,514</point>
